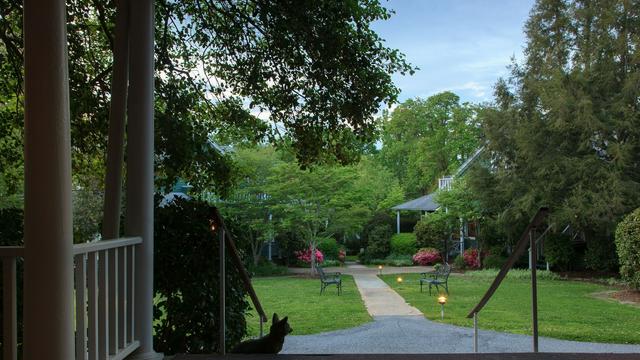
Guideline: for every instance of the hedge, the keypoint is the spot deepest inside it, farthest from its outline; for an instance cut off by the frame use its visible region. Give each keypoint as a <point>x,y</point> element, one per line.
<point>404,244</point>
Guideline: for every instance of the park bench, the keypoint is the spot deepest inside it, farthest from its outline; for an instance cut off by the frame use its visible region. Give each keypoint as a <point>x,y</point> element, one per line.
<point>438,277</point>
<point>327,279</point>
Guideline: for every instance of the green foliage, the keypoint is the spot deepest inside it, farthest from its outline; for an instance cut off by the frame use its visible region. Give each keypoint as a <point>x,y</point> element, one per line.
<point>186,282</point>
<point>432,231</point>
<point>317,68</point>
<point>329,247</point>
<point>403,244</point>
<point>517,274</point>
<point>267,268</point>
<point>558,251</point>
<point>425,139</point>
<point>393,260</point>
<point>459,263</point>
<point>379,244</point>
<point>628,248</point>
<point>601,254</point>
<point>563,132</point>
<point>493,261</point>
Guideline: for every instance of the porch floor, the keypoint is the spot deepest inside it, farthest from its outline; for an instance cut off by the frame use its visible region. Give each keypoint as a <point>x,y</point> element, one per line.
<point>504,356</point>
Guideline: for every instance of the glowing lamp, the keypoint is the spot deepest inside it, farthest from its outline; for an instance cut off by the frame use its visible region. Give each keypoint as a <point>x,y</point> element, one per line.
<point>380,269</point>
<point>442,300</point>
<point>399,279</point>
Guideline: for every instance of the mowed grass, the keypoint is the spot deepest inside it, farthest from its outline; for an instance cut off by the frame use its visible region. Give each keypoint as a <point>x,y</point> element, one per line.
<point>566,309</point>
<point>308,311</point>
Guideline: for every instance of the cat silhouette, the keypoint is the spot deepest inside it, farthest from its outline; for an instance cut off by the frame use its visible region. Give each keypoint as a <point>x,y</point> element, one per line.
<point>270,343</point>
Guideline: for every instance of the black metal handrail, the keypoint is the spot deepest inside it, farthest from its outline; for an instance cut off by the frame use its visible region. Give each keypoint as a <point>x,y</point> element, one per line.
<point>226,239</point>
<point>521,246</point>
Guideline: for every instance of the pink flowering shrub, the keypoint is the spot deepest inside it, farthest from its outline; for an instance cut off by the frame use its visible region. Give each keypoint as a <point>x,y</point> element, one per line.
<point>426,256</point>
<point>471,258</point>
<point>305,256</point>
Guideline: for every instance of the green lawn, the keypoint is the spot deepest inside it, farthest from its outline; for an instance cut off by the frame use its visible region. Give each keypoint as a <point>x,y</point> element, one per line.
<point>566,309</point>
<point>308,311</point>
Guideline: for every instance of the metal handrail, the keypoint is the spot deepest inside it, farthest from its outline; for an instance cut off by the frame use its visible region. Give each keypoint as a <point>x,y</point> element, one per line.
<point>226,239</point>
<point>521,246</point>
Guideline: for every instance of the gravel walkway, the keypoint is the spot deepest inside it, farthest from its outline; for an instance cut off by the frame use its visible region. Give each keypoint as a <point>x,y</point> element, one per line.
<point>401,328</point>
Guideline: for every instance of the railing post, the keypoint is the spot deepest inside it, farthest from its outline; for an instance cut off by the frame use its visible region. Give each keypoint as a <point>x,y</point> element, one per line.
<point>534,293</point>
<point>10,324</point>
<point>222,324</point>
<point>475,332</point>
<point>81,307</point>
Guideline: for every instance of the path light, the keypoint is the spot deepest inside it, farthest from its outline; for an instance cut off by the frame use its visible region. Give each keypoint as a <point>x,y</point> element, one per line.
<point>442,300</point>
<point>399,279</point>
<point>380,269</point>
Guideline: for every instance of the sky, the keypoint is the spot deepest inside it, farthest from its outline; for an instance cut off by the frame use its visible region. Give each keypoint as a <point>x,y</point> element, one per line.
<point>459,45</point>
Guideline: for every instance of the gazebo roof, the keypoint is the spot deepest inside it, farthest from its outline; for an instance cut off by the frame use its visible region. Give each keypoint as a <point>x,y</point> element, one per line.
<point>423,203</point>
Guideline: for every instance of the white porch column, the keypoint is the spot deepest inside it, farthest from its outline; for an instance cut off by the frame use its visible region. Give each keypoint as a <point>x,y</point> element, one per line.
<point>139,211</point>
<point>398,222</point>
<point>48,234</point>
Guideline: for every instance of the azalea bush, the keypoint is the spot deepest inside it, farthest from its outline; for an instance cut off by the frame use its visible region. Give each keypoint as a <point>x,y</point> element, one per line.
<point>342,255</point>
<point>427,256</point>
<point>471,259</point>
<point>305,256</point>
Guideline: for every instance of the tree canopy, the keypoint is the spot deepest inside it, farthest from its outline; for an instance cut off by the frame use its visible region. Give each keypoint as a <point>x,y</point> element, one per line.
<point>565,128</point>
<point>308,75</point>
<point>424,139</point>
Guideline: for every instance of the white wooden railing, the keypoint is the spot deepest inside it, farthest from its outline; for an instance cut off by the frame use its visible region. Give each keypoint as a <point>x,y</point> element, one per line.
<point>104,275</point>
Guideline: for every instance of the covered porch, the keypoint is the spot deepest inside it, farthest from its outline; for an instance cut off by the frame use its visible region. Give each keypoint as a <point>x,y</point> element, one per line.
<point>92,300</point>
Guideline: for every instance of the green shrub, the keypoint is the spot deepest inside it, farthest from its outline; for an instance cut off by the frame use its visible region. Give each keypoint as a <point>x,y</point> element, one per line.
<point>393,260</point>
<point>329,247</point>
<point>186,282</point>
<point>379,242</point>
<point>403,244</point>
<point>330,263</point>
<point>628,248</point>
<point>381,218</point>
<point>601,254</point>
<point>432,231</point>
<point>518,274</point>
<point>558,251</point>
<point>459,263</point>
<point>267,268</point>
<point>493,261</point>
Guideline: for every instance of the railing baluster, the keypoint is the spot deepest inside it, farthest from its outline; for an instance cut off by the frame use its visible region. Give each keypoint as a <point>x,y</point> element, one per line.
<point>103,305</point>
<point>81,307</point>
<point>130,291</point>
<point>122,297</point>
<point>10,324</point>
<point>92,295</point>
<point>113,300</point>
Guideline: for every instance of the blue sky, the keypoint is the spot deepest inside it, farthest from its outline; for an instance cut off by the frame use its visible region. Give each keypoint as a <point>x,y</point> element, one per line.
<point>459,45</point>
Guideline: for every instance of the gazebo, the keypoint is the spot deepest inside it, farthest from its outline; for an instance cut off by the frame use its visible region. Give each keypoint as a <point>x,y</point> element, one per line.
<point>424,204</point>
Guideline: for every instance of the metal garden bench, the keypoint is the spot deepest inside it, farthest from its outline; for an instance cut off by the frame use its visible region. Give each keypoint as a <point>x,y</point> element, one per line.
<point>327,279</point>
<point>438,277</point>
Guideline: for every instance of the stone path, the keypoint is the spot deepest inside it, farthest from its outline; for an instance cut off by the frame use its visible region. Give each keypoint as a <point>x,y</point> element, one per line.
<point>401,328</point>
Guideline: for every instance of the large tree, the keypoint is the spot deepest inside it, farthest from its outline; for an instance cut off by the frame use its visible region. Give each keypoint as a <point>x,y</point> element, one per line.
<point>565,128</point>
<point>307,74</point>
<point>424,139</point>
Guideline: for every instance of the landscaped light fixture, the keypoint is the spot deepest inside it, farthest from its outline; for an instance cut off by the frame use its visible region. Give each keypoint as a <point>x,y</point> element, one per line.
<point>399,279</point>
<point>442,300</point>
<point>380,269</point>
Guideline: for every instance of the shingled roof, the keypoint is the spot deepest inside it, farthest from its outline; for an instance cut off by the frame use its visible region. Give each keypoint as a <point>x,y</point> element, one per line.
<point>423,203</point>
